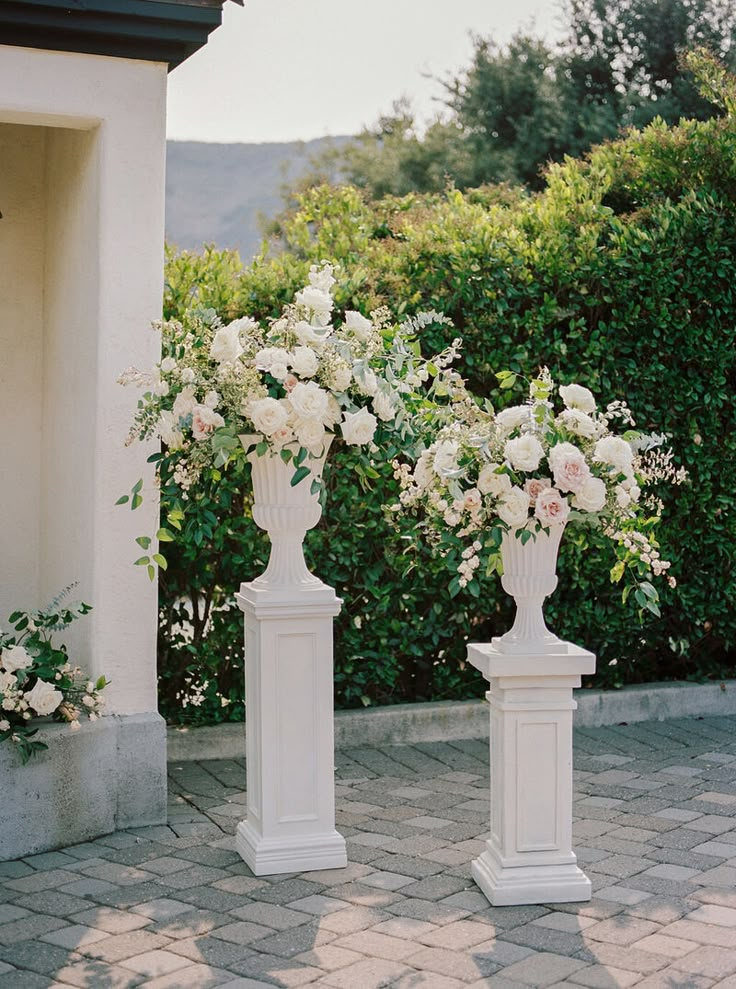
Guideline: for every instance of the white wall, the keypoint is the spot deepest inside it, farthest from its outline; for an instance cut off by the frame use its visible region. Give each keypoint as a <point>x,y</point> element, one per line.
<point>81,268</point>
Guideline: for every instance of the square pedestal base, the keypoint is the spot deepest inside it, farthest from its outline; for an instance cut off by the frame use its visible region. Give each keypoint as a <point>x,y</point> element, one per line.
<point>517,885</point>
<point>300,853</point>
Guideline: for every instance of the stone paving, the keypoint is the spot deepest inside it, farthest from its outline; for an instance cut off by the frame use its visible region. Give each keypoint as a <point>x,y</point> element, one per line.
<point>175,908</point>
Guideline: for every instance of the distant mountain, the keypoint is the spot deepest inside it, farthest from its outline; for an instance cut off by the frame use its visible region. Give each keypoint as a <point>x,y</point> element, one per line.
<point>215,192</point>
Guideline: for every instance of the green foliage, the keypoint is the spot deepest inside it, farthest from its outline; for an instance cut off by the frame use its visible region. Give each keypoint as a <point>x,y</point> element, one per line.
<point>518,107</point>
<point>620,275</point>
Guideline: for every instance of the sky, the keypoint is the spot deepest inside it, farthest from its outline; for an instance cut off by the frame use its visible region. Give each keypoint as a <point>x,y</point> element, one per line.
<point>290,70</point>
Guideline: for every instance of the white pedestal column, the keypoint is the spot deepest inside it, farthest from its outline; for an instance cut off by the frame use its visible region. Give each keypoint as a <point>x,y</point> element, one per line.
<point>529,857</point>
<point>290,823</point>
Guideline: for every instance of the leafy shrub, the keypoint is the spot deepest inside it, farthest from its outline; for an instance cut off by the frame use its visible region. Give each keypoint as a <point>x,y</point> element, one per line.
<point>620,275</point>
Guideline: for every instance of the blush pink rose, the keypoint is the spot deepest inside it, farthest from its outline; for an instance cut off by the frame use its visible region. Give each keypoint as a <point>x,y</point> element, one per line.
<point>568,467</point>
<point>551,507</point>
<point>535,486</point>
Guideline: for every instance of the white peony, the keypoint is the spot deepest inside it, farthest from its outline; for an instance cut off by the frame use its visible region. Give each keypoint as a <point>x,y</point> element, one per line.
<point>304,362</point>
<point>591,497</point>
<point>513,417</point>
<point>513,507</point>
<point>577,397</point>
<point>309,401</point>
<point>569,468</point>
<point>614,451</point>
<point>15,658</point>
<point>360,326</point>
<point>383,406</point>
<point>44,698</point>
<point>551,507</point>
<point>489,482</point>
<point>267,415</point>
<point>358,427</point>
<point>226,346</point>
<point>524,453</point>
<point>445,457</point>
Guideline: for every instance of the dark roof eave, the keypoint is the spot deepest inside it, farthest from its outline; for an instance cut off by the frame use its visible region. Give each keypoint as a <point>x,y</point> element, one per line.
<point>154,30</point>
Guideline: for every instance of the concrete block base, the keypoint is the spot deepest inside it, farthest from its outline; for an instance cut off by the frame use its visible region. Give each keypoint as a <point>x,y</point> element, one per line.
<point>110,774</point>
<point>517,885</point>
<point>302,853</point>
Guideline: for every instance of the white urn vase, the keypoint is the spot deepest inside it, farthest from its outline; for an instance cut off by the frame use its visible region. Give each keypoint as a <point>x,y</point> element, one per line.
<point>287,512</point>
<point>529,576</point>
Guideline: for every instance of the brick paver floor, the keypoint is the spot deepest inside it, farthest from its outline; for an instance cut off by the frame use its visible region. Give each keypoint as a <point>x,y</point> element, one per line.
<point>175,908</point>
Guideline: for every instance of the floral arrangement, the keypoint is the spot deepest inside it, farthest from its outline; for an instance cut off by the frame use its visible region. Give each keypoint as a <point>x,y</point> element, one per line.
<point>303,378</point>
<point>37,679</point>
<point>532,466</point>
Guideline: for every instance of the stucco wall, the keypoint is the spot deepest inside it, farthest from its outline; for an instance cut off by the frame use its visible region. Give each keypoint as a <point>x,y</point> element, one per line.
<point>81,268</point>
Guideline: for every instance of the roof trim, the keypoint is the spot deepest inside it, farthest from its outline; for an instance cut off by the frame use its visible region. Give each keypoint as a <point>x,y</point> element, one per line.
<point>153,30</point>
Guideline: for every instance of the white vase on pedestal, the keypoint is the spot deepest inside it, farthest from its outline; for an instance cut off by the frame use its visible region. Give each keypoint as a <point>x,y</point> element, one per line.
<point>531,674</point>
<point>290,823</point>
<point>529,576</point>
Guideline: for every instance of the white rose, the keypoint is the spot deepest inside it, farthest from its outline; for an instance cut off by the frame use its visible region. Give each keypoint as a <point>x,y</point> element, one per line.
<point>270,357</point>
<point>211,399</point>
<point>445,457</point>
<point>623,498</point>
<point>591,497</point>
<point>358,427</point>
<point>184,402</point>
<point>311,434</point>
<point>341,378</point>
<point>7,682</point>
<point>383,406</point>
<point>311,336</point>
<point>423,472</point>
<point>4,725</point>
<point>279,371</point>
<point>616,452</point>
<point>577,422</point>
<point>334,411</point>
<point>568,465</point>
<point>168,364</point>
<point>513,417</point>
<point>309,401</point>
<point>489,482</point>
<point>513,508</point>
<point>524,453</point>
<point>322,277</point>
<point>267,415</point>
<point>634,492</point>
<point>360,326</point>
<point>304,362</point>
<point>318,301</point>
<point>226,346</point>
<point>187,375</point>
<point>15,658</point>
<point>551,507</point>
<point>168,430</point>
<point>367,382</point>
<point>472,500</point>
<point>44,698</point>
<point>577,397</point>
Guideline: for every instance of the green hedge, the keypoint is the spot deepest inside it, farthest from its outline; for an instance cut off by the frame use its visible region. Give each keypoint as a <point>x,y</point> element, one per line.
<point>621,276</point>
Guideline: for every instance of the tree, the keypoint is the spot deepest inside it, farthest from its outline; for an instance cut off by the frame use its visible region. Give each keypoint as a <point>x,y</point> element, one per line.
<point>519,107</point>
